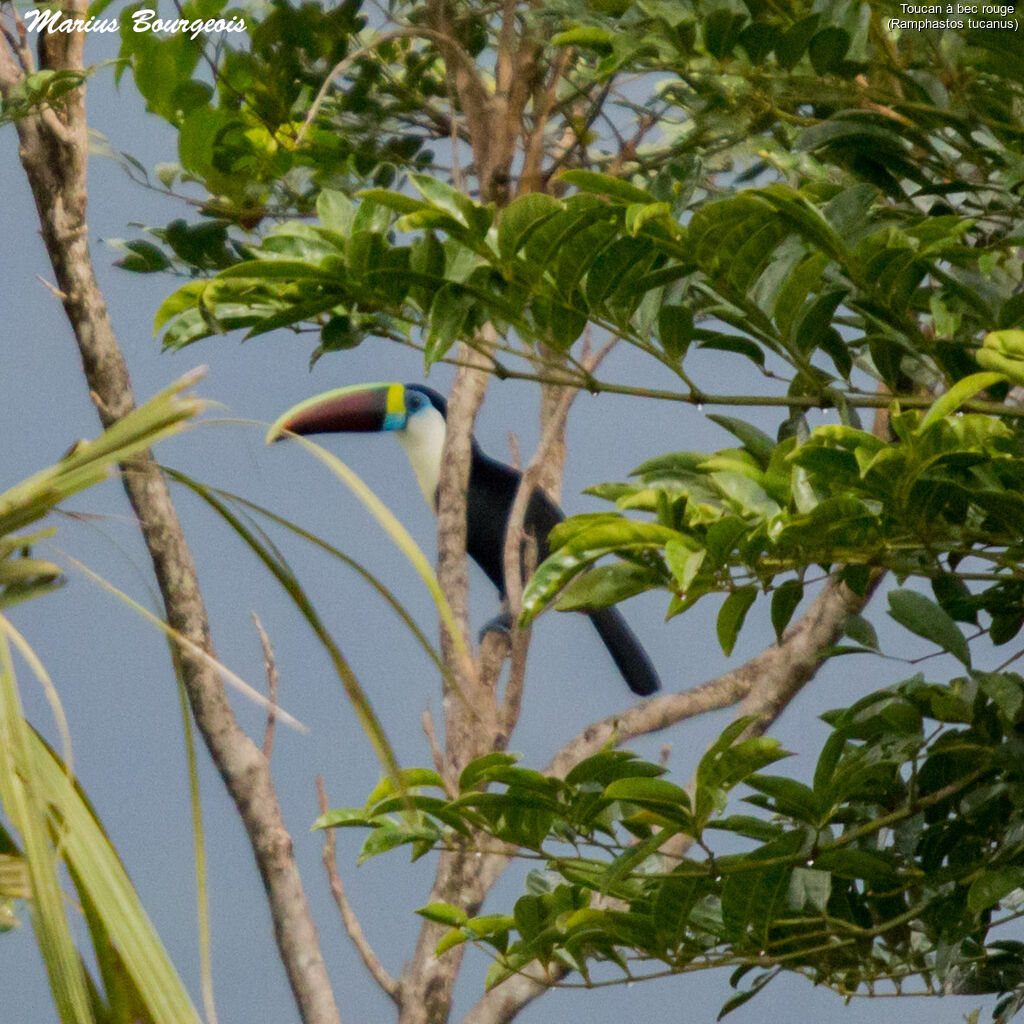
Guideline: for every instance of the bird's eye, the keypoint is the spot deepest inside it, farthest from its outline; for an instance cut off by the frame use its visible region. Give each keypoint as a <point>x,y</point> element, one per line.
<point>414,401</point>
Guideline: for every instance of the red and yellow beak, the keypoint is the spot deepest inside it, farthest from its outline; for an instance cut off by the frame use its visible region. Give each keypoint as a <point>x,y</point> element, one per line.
<point>358,408</point>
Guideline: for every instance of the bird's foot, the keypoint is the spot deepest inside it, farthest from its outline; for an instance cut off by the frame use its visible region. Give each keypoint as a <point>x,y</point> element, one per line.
<point>501,623</point>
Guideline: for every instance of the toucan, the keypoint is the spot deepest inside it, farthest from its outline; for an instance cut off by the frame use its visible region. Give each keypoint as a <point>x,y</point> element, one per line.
<point>417,415</point>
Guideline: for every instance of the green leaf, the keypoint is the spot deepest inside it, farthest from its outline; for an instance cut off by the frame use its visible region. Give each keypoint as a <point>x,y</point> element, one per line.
<point>858,628</point>
<point>345,817</point>
<point>456,937</point>
<point>607,185</point>
<point>789,797</point>
<point>583,546</point>
<point>406,779</point>
<point>992,886</point>
<point>674,900</point>
<point>753,898</point>
<point>794,42</point>
<point>447,320</point>
<point>684,558</point>
<point>784,603</point>
<point>98,872</point>
<point>828,48</point>
<point>963,391</point>
<point>399,202</point>
<point>749,826</point>
<point>730,343</point>
<point>391,835</point>
<point>521,218</point>
<point>675,330</point>
<point>606,585</point>
<point>477,770</point>
<point>729,761</point>
<point>731,615</point>
<point>587,37</point>
<point>143,257</point>
<point>1005,690</point>
<point>755,441</point>
<point>609,765</point>
<point>335,210</point>
<point>649,791</point>
<point>809,889</point>
<point>444,913</point>
<point>454,203</point>
<point>877,871</point>
<point>277,269</point>
<point>925,618</point>
<point>338,334</point>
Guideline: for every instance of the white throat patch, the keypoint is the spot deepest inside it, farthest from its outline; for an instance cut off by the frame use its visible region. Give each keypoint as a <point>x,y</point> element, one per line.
<point>423,441</point>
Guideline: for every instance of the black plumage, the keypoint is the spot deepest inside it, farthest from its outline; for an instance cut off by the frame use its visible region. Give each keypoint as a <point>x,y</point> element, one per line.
<point>492,492</point>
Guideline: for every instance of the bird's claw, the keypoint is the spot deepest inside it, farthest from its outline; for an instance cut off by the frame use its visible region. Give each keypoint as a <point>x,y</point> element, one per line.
<point>499,624</point>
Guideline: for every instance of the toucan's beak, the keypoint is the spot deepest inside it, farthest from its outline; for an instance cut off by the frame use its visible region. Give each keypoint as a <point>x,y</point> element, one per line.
<point>357,408</point>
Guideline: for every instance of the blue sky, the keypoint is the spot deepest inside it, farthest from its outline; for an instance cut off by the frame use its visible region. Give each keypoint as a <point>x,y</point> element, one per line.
<point>113,673</point>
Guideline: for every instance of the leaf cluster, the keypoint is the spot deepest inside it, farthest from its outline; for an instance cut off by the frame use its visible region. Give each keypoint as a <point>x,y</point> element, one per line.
<point>896,862</point>
<point>941,501</point>
<point>238,102</point>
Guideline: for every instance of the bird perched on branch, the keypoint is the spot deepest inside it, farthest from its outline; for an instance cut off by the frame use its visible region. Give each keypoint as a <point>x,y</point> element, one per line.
<point>417,416</point>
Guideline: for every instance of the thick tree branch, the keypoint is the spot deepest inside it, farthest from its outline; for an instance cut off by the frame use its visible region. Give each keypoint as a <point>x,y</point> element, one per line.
<point>426,985</point>
<point>55,165</point>
<point>532,177</point>
<point>550,449</point>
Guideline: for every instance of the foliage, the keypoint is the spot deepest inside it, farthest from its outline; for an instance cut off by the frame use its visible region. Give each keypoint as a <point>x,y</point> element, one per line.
<point>239,137</point>
<point>941,501</point>
<point>825,206</point>
<point>51,821</point>
<point>900,860</point>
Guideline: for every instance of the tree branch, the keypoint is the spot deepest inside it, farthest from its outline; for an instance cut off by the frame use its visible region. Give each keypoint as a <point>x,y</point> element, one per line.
<point>355,931</point>
<point>16,58</point>
<point>270,667</point>
<point>548,448</point>
<point>449,46</point>
<point>532,177</point>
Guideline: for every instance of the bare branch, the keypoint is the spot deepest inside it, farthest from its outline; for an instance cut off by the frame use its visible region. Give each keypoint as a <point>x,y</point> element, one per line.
<point>532,178</point>
<point>449,45</point>
<point>436,753</point>
<point>355,931</point>
<point>775,675</point>
<point>464,401</point>
<point>16,59</point>
<point>473,96</point>
<point>270,667</point>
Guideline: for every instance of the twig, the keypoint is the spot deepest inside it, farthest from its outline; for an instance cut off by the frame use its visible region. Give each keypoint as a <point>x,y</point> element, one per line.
<point>436,753</point>
<point>355,931</point>
<point>270,666</point>
<point>399,33</point>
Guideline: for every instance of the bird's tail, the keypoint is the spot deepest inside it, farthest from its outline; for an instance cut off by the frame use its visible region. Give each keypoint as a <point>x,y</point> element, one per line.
<point>626,651</point>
